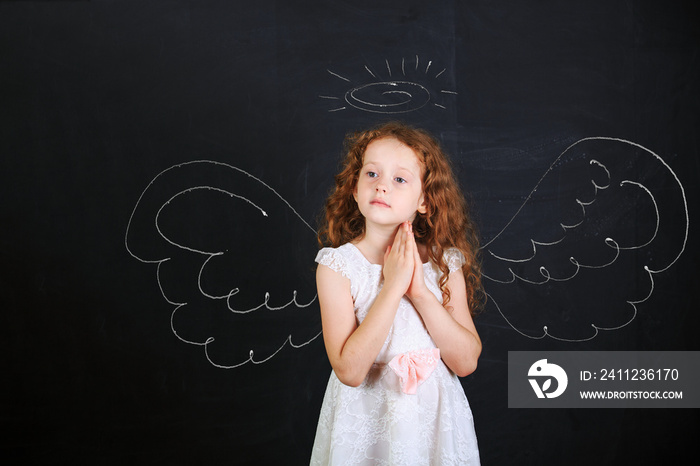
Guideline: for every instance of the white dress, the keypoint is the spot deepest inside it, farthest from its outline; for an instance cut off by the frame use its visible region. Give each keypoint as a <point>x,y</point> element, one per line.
<point>377,423</point>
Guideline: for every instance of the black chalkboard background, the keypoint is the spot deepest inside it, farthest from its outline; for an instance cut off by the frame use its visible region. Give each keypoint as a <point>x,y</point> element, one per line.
<point>99,97</point>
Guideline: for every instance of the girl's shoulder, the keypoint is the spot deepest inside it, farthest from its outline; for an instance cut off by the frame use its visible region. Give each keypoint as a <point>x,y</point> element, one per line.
<point>341,251</point>
<point>453,258</point>
<point>340,259</point>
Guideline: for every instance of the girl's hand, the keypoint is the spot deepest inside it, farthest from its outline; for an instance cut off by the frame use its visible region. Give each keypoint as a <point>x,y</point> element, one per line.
<point>417,288</point>
<point>399,261</point>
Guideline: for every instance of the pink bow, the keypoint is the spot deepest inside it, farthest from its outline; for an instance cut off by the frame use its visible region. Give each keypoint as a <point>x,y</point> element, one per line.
<point>414,367</point>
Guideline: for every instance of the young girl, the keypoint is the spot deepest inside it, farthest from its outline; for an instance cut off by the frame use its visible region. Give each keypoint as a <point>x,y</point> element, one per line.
<point>395,291</point>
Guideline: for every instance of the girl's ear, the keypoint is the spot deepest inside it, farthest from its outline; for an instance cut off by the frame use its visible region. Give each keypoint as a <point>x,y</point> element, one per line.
<point>422,206</point>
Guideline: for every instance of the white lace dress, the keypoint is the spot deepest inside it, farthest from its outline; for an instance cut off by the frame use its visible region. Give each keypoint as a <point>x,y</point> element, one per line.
<point>378,423</point>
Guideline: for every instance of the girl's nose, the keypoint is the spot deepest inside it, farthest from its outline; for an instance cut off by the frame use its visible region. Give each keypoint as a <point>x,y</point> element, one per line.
<point>381,188</point>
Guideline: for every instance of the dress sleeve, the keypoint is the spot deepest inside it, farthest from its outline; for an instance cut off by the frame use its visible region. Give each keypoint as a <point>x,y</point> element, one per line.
<point>454,259</point>
<point>334,260</point>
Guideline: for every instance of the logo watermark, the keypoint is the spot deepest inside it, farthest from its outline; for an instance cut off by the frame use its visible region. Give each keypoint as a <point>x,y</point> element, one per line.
<point>604,379</point>
<point>546,372</point>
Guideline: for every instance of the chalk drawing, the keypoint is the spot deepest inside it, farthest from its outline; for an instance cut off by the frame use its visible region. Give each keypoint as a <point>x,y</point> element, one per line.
<point>157,196</point>
<point>185,179</point>
<point>388,95</point>
<point>678,204</point>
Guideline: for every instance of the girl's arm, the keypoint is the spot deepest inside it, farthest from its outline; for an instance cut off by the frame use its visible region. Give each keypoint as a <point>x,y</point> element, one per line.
<point>353,348</point>
<point>452,330</point>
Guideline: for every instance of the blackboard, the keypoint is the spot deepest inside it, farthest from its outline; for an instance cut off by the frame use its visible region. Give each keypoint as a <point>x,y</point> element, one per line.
<point>164,164</point>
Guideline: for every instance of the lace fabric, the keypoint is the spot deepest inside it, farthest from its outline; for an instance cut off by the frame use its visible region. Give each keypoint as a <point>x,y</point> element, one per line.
<point>377,423</point>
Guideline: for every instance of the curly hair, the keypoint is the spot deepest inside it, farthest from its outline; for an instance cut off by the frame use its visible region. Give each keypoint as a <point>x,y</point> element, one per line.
<point>446,224</point>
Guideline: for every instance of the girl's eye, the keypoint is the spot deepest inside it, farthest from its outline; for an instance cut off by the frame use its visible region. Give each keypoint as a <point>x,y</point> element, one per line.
<point>398,179</point>
<point>371,174</point>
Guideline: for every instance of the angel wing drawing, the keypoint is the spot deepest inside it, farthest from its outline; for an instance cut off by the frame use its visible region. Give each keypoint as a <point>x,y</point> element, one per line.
<point>573,250</point>
<point>574,256</point>
<point>605,218</point>
<point>217,235</point>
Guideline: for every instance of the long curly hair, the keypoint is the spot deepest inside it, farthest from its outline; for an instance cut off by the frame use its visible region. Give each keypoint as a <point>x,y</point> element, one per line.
<point>446,224</point>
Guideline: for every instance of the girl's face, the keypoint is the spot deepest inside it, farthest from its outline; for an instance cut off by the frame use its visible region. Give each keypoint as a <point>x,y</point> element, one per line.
<point>389,190</point>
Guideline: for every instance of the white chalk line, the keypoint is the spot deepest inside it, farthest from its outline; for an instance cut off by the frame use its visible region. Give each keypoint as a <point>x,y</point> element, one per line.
<point>608,241</point>
<point>546,332</point>
<point>251,353</point>
<point>187,191</point>
<point>581,204</point>
<point>386,108</point>
<point>210,255</point>
<point>546,275</point>
<point>235,291</point>
<point>602,138</point>
<point>288,341</point>
<point>338,76</point>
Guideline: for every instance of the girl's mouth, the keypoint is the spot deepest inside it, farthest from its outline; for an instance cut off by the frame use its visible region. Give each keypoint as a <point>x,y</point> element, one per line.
<point>379,202</point>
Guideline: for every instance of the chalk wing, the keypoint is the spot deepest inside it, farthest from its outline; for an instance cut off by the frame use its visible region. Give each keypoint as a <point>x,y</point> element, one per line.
<point>581,250</point>
<point>233,258</point>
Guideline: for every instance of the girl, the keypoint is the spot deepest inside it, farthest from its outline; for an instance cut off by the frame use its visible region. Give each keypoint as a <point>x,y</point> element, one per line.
<point>395,291</point>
